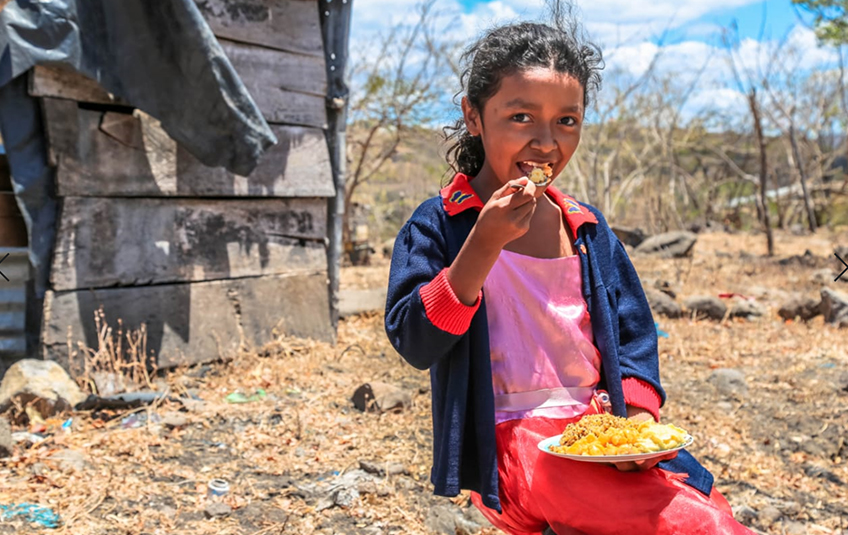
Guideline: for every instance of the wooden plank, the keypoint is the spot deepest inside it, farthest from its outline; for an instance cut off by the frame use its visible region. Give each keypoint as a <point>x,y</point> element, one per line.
<point>275,69</point>
<point>113,154</point>
<point>192,322</point>
<point>63,82</point>
<point>288,88</point>
<point>290,25</point>
<point>106,242</point>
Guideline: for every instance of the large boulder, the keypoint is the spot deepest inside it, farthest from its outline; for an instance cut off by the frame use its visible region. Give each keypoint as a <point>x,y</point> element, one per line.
<point>668,245</point>
<point>834,307</point>
<point>42,383</point>
<point>705,306</point>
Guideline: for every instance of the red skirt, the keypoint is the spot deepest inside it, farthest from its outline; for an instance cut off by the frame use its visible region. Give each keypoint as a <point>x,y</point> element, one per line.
<point>572,497</point>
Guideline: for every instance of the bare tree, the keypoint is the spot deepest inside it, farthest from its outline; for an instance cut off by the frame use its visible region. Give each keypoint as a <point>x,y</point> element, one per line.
<point>393,90</point>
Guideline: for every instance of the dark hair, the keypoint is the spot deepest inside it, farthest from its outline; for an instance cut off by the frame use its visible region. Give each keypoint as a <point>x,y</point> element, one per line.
<point>508,49</point>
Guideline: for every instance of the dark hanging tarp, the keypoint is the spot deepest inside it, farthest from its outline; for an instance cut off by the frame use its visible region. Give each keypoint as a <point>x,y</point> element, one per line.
<point>159,56</point>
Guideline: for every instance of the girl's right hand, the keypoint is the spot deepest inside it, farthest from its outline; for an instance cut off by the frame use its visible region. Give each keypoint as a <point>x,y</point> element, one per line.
<point>507,214</point>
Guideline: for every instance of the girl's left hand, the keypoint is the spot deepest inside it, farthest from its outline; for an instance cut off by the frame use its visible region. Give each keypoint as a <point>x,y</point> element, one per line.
<point>641,415</point>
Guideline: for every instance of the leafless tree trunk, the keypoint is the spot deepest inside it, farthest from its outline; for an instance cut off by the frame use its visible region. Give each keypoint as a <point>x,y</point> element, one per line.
<point>762,207</point>
<point>799,164</point>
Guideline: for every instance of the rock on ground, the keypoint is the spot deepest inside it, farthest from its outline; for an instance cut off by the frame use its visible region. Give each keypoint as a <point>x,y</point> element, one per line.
<point>705,306</point>
<point>40,379</point>
<point>5,438</point>
<point>799,306</point>
<point>834,306</point>
<point>449,520</point>
<point>669,245</point>
<point>382,397</point>
<point>743,308</point>
<point>729,382</point>
<point>662,304</point>
<point>631,236</point>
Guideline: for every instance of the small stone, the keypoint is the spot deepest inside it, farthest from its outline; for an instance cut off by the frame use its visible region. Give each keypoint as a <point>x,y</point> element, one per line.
<point>769,515</point>
<point>744,514</point>
<point>729,382</point>
<point>382,469</point>
<point>174,419</point>
<point>217,510</point>
<point>724,406</point>
<point>794,528</point>
<point>705,306</point>
<point>69,460</point>
<point>38,469</point>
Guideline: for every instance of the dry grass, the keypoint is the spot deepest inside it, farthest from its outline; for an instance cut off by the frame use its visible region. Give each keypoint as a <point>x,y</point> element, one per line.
<point>782,444</point>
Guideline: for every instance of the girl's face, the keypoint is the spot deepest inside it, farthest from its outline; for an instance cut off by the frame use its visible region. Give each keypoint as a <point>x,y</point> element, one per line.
<point>536,116</point>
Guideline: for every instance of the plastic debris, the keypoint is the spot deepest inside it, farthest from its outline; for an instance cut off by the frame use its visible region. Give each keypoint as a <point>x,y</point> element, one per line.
<point>139,419</point>
<point>66,425</point>
<point>239,397</point>
<point>32,513</point>
<point>660,333</point>
<point>217,489</point>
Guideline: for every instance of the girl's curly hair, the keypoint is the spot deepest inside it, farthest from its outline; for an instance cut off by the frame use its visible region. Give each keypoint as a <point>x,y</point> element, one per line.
<point>506,50</point>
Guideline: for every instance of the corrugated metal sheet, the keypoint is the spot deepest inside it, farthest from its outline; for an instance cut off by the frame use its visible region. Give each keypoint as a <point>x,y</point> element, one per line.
<point>13,302</point>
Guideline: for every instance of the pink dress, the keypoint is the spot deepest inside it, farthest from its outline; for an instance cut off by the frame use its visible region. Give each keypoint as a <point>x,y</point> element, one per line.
<point>544,361</point>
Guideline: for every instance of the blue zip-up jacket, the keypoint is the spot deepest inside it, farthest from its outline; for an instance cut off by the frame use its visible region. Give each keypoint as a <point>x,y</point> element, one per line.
<point>431,329</point>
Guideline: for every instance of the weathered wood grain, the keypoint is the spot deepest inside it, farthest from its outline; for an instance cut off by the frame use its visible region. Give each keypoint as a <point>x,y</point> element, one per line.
<point>290,25</point>
<point>109,154</point>
<point>288,88</point>
<point>105,242</point>
<point>193,322</point>
<point>277,70</point>
<point>63,82</point>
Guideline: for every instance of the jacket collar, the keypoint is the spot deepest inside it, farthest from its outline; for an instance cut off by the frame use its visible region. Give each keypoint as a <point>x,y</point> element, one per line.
<point>459,196</point>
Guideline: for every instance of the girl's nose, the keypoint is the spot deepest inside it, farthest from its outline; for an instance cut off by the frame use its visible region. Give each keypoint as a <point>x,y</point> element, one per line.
<point>543,140</point>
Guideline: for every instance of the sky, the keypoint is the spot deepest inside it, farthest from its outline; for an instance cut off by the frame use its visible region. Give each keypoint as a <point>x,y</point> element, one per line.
<point>686,33</point>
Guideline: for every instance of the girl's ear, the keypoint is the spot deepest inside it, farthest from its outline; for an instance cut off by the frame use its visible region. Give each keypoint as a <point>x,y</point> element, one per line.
<point>473,121</point>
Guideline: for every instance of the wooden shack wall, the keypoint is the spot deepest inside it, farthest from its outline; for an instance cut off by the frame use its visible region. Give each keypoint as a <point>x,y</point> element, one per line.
<point>206,259</point>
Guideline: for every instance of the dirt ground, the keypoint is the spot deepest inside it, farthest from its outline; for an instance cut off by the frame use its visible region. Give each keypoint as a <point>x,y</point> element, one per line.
<point>776,444</point>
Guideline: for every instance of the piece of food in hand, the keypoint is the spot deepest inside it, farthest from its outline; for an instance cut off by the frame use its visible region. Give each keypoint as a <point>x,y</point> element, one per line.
<point>605,434</point>
<point>541,173</point>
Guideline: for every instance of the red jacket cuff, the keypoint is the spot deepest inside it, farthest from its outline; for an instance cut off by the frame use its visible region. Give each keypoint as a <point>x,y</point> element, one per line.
<point>443,307</point>
<point>641,394</point>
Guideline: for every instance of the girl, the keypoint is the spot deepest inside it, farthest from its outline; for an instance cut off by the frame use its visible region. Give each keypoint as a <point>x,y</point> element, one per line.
<point>525,308</point>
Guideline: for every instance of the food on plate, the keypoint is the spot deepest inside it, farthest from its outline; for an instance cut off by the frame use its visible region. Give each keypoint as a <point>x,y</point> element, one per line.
<point>605,434</point>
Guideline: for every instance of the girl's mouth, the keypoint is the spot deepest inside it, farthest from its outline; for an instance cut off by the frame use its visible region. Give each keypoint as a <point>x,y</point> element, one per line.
<point>538,172</point>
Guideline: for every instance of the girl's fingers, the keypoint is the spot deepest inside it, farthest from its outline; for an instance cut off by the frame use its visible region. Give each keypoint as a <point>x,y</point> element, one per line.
<point>511,188</point>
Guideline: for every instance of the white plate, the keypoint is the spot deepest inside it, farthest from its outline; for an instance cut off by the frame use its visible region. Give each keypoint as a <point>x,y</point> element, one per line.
<point>554,441</point>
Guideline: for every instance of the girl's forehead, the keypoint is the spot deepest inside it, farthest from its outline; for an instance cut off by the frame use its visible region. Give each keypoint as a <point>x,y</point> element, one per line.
<point>539,83</point>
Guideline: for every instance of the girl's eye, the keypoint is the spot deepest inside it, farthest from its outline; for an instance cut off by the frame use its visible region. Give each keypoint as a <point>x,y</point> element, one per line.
<point>520,117</point>
<point>568,121</point>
